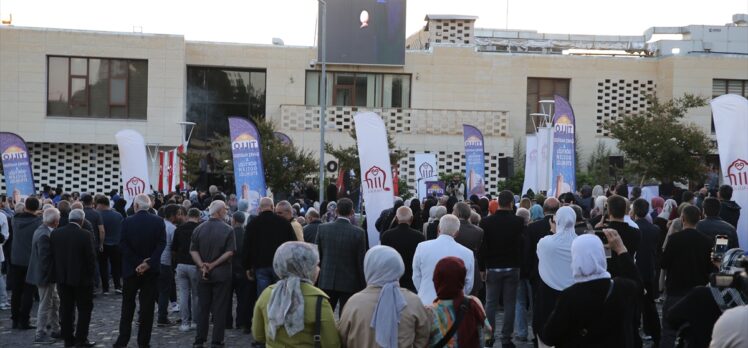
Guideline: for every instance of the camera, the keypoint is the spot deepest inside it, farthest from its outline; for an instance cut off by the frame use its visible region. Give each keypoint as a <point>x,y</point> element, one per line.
<point>312,63</point>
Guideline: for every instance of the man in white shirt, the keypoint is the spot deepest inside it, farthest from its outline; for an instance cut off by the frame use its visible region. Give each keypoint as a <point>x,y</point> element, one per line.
<point>430,252</point>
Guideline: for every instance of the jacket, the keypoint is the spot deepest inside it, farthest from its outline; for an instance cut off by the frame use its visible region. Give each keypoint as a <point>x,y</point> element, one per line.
<point>425,259</point>
<point>24,226</point>
<point>405,240</point>
<point>342,247</point>
<point>730,212</point>
<point>502,241</point>
<point>687,259</point>
<point>40,263</point>
<point>355,321</point>
<point>646,256</point>
<point>143,236</point>
<point>310,231</point>
<point>262,237</point>
<point>328,331</point>
<point>533,234</point>
<point>713,226</point>
<point>73,256</point>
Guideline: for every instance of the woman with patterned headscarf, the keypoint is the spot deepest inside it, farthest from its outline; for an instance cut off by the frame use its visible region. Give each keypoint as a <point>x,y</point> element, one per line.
<point>384,314</point>
<point>452,305</point>
<point>285,314</point>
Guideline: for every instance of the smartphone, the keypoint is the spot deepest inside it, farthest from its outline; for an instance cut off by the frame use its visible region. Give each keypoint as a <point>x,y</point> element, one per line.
<point>720,247</point>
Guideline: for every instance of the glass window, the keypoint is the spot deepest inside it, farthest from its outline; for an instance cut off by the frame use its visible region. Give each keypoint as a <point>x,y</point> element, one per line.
<point>360,89</point>
<point>214,94</point>
<point>542,89</point>
<point>97,87</point>
<point>723,86</point>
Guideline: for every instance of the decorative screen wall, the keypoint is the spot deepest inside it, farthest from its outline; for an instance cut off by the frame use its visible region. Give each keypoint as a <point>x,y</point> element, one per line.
<point>75,167</point>
<point>616,98</point>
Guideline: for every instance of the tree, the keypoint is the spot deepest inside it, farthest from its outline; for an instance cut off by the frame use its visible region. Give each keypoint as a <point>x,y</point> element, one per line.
<point>285,165</point>
<point>658,144</point>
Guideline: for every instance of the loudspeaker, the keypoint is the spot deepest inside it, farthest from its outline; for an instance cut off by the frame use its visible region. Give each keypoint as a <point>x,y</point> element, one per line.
<point>506,167</point>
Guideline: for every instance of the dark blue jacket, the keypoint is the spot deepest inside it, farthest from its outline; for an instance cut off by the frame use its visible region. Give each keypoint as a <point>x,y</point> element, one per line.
<point>143,236</point>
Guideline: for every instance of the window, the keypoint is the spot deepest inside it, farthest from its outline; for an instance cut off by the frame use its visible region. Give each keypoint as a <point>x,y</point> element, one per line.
<point>214,94</point>
<point>360,89</point>
<point>543,89</point>
<point>97,87</point>
<point>723,86</point>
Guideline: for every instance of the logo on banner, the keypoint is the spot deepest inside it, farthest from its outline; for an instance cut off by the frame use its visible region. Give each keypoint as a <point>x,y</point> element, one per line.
<point>376,179</point>
<point>435,189</point>
<point>737,172</point>
<point>534,155</point>
<point>135,186</point>
<point>426,170</point>
<point>564,125</point>
<point>473,141</point>
<point>244,141</point>
<point>14,153</point>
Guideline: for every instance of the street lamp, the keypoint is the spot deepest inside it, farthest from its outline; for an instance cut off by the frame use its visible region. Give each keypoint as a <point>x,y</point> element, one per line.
<point>322,57</point>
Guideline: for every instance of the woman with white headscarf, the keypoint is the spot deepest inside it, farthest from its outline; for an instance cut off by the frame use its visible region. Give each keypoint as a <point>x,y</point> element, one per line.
<point>554,264</point>
<point>596,310</point>
<point>384,314</point>
<point>286,313</point>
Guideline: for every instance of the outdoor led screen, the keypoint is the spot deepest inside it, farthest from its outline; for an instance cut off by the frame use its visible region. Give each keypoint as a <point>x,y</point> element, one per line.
<point>365,32</point>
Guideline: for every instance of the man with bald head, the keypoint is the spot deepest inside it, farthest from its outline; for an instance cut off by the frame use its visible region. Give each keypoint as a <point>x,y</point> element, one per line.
<point>405,240</point>
<point>285,210</point>
<point>262,236</point>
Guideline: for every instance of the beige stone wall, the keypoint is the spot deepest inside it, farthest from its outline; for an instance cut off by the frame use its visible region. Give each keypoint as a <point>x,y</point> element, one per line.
<point>23,87</point>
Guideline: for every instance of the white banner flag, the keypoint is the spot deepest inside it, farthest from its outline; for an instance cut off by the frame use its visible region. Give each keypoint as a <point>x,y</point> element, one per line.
<point>374,156</point>
<point>731,126</point>
<point>544,159</point>
<point>133,164</point>
<point>425,171</point>
<point>531,165</point>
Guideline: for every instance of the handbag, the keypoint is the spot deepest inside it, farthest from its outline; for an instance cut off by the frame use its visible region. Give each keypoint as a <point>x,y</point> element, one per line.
<point>452,330</point>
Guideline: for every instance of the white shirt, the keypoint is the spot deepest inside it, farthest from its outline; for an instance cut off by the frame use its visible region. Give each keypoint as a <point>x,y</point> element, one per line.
<point>4,231</point>
<point>627,219</point>
<point>424,261</point>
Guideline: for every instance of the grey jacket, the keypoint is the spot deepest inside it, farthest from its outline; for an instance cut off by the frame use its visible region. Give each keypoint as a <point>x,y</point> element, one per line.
<point>713,226</point>
<point>40,263</point>
<point>24,226</point>
<point>342,247</point>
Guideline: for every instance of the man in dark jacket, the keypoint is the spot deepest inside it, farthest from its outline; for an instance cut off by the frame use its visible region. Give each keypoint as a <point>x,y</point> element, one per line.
<point>24,225</point>
<point>262,237</point>
<point>499,261</point>
<point>142,242</point>
<point>74,261</point>
<point>405,240</point>
<point>471,237</point>
<point>240,285</point>
<point>342,247</point>
<point>646,263</point>
<point>713,225</point>
<point>730,211</point>
<point>631,237</point>
<point>687,260</point>
<point>313,221</point>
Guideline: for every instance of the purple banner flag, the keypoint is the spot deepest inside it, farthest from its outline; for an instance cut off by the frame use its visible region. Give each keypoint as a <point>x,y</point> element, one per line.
<point>284,138</point>
<point>435,188</point>
<point>19,181</point>
<point>563,156</point>
<point>249,173</point>
<point>474,161</point>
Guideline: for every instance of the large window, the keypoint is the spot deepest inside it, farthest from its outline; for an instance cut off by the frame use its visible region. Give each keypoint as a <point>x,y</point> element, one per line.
<point>543,89</point>
<point>360,89</point>
<point>723,86</point>
<point>97,87</point>
<point>214,94</point>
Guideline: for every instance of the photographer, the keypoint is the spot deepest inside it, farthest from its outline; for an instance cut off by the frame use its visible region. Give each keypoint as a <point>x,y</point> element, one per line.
<point>729,331</point>
<point>696,313</point>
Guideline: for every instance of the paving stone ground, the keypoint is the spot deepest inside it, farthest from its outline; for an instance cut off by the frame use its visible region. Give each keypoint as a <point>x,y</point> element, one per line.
<point>105,328</point>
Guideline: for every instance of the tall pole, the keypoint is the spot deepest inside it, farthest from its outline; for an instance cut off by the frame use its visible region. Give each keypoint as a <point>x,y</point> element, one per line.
<point>322,95</point>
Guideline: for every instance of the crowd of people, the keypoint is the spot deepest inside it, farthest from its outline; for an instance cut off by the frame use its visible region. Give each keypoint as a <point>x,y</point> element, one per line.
<point>586,269</point>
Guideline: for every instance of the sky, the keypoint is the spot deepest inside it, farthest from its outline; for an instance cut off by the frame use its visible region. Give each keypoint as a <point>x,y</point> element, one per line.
<point>256,21</point>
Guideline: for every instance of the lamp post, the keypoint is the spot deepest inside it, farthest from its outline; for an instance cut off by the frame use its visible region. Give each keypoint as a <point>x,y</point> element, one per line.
<point>322,95</point>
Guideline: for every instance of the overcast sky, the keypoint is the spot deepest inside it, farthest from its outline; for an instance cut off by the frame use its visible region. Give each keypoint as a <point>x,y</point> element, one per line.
<point>258,21</point>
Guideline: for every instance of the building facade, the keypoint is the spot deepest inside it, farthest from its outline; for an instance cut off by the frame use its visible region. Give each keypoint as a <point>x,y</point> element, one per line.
<point>67,92</point>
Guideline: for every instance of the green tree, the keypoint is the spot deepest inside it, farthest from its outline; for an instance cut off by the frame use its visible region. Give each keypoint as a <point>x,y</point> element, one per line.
<point>284,164</point>
<point>598,166</point>
<point>657,143</point>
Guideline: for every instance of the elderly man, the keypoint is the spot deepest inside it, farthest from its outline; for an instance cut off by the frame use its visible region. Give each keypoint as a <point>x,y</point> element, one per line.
<point>74,260</point>
<point>405,240</point>
<point>142,243</point>
<point>263,235</point>
<point>342,247</point>
<point>213,245</point>
<point>285,210</point>
<point>24,225</point>
<point>469,236</point>
<point>312,224</point>
<point>40,275</point>
<point>430,252</point>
